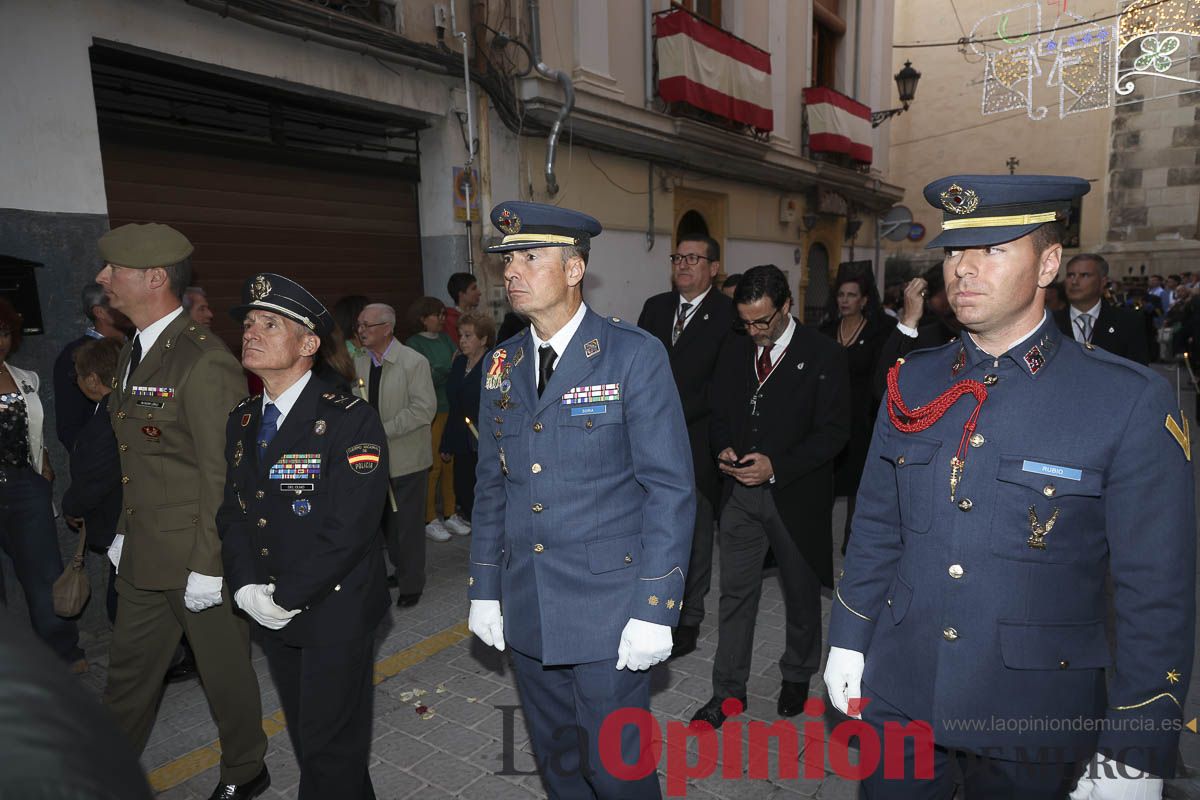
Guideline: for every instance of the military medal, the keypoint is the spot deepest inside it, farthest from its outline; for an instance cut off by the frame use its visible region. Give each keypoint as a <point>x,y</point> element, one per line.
<point>239,450</point>
<point>918,419</point>
<point>319,427</point>
<point>1037,531</point>
<point>503,461</point>
<point>496,369</point>
<point>301,507</point>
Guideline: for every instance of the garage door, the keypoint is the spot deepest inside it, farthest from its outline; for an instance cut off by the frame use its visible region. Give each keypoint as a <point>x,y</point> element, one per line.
<point>337,228</point>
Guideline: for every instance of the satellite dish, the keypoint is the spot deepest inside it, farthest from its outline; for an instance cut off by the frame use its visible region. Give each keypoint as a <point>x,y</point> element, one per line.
<point>895,224</point>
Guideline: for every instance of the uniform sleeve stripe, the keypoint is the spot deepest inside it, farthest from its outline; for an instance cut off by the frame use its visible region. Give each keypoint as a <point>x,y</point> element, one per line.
<point>838,592</point>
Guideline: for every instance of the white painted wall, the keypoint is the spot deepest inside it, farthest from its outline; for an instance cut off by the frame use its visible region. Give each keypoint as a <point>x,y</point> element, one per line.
<point>742,254</point>
<point>51,149</point>
<point>621,273</point>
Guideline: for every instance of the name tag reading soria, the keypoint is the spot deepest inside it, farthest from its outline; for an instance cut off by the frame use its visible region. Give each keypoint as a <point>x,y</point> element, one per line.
<point>363,458</point>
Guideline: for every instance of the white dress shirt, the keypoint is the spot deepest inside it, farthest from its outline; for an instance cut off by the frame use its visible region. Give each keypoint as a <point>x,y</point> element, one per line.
<point>148,337</point>
<point>287,399</point>
<point>558,341</point>
<point>781,343</point>
<point>691,312</point>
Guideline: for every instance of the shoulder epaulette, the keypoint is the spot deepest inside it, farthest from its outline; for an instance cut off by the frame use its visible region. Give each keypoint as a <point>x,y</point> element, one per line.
<point>247,401</point>
<point>201,336</point>
<point>341,400</point>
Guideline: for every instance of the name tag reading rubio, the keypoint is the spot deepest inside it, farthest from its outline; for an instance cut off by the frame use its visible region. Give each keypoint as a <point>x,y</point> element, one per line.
<point>296,467</point>
<point>600,393</point>
<point>1038,468</point>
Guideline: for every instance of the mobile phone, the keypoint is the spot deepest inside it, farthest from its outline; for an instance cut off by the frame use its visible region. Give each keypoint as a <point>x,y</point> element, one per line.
<point>736,464</point>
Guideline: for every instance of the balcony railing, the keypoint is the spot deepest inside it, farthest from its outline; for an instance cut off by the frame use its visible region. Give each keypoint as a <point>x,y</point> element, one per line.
<point>708,74</point>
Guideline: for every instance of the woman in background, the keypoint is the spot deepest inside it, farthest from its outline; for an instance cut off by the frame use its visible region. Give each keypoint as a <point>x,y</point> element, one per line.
<point>476,336</point>
<point>427,315</point>
<point>27,530</point>
<point>861,329</point>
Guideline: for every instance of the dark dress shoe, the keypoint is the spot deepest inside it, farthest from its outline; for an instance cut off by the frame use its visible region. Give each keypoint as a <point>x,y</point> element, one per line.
<point>393,581</point>
<point>712,713</point>
<point>243,791</point>
<point>183,671</point>
<point>791,698</point>
<point>408,600</point>
<point>684,640</point>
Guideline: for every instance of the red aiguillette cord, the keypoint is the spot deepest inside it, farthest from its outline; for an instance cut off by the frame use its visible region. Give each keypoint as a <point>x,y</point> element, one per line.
<point>918,419</point>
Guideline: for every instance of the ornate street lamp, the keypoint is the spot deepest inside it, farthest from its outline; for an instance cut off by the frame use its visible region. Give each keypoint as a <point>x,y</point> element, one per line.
<point>906,84</point>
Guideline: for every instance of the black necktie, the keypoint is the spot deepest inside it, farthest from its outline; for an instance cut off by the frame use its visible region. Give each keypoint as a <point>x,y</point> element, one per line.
<point>135,354</point>
<point>546,356</point>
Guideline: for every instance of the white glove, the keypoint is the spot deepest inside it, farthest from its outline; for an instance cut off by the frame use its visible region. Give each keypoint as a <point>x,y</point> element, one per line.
<point>255,599</point>
<point>114,551</point>
<point>486,622</point>
<point>1116,786</point>
<point>643,644</point>
<point>843,678</point>
<point>203,591</point>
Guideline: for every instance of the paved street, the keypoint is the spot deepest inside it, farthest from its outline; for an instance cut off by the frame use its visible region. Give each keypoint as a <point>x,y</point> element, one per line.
<point>440,707</point>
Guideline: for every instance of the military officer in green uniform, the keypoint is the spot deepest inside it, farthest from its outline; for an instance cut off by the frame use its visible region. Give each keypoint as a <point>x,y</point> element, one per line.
<point>176,383</point>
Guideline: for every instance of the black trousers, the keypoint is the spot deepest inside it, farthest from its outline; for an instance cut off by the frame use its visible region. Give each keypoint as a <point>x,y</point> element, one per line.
<point>464,482</point>
<point>699,574</point>
<point>326,694</point>
<point>750,524</point>
<point>404,531</point>
<point>565,708</point>
<point>981,778</point>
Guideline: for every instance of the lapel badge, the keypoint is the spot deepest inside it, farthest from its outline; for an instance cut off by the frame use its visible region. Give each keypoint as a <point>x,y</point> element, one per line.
<point>520,354</point>
<point>1034,360</point>
<point>319,427</point>
<point>958,200</point>
<point>705,316</point>
<point>800,365</point>
<point>505,386</point>
<point>239,450</point>
<point>1183,436</point>
<point>1037,531</point>
<point>592,348</point>
<point>959,362</point>
<point>260,288</point>
<point>245,419</point>
<point>1112,329</point>
<point>301,507</point>
<point>114,382</point>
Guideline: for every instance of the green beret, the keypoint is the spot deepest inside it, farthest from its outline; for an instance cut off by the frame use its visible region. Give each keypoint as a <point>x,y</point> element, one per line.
<point>144,246</point>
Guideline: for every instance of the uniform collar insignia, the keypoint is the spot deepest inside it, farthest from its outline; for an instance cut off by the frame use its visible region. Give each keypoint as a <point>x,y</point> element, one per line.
<point>960,361</point>
<point>1034,359</point>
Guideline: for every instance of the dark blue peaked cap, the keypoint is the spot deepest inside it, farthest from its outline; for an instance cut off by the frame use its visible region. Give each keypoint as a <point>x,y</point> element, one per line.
<point>268,291</point>
<point>529,225</point>
<point>980,210</point>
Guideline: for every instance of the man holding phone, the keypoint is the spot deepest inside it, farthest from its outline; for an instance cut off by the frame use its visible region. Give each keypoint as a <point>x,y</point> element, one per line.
<point>780,415</point>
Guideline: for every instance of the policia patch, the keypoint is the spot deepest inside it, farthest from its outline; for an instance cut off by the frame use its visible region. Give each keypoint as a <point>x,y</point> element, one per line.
<point>363,458</point>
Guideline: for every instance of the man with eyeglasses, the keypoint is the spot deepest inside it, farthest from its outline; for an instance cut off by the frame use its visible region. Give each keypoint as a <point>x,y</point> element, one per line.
<point>693,322</point>
<point>780,415</point>
<point>397,381</point>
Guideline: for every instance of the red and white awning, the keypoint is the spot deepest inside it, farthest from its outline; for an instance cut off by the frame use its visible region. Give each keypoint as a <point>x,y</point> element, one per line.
<point>713,70</point>
<point>837,124</point>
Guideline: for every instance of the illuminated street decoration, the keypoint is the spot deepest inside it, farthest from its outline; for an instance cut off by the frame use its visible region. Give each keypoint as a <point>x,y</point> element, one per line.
<point>1080,58</point>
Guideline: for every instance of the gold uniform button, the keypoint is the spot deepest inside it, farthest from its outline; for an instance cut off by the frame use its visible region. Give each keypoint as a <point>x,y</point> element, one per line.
<point>129,510</point>
<point>539,547</point>
<point>949,634</point>
<point>889,602</point>
<point>470,581</point>
<point>124,479</point>
<point>538,508</point>
<point>120,415</point>
<point>124,447</point>
<point>149,415</point>
<point>264,552</point>
<point>537,427</point>
<point>990,380</point>
<point>536,468</point>
<point>977,440</point>
<point>259,495</point>
<point>628,558</point>
<point>1049,490</point>
<point>956,571</point>
<point>1064,664</point>
<point>262,523</point>
<point>497,434</point>
<point>900,461</point>
<point>337,588</point>
<point>965,504</point>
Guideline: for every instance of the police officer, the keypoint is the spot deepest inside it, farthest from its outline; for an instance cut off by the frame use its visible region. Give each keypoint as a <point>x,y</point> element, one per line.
<point>174,386</point>
<point>307,481</point>
<point>992,507</point>
<point>584,506</point>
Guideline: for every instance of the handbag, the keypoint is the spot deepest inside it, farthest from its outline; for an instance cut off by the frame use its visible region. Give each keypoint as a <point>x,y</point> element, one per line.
<point>72,589</point>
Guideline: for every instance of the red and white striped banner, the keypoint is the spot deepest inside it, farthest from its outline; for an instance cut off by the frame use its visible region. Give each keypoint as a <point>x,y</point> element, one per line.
<point>837,124</point>
<point>706,67</point>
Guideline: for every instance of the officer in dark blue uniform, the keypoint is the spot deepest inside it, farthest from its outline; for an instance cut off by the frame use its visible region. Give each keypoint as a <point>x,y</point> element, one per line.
<point>299,525</point>
<point>1007,476</point>
<point>584,507</point>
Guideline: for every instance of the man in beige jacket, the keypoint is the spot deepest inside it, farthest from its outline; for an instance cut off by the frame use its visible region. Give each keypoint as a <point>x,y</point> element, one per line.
<point>396,380</point>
